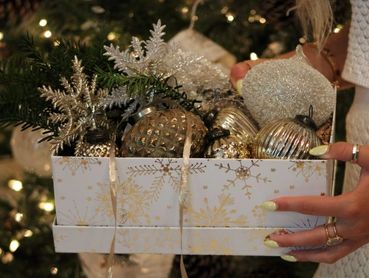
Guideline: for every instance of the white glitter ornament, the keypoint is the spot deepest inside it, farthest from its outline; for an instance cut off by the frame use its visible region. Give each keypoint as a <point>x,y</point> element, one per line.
<point>283,88</point>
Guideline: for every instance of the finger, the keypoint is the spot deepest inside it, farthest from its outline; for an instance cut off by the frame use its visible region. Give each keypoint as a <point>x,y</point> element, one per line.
<point>239,71</point>
<point>314,205</point>
<point>327,255</point>
<point>313,238</point>
<point>343,151</point>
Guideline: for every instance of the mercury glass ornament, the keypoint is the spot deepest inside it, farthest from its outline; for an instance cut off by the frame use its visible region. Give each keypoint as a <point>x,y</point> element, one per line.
<point>96,143</point>
<point>163,133</point>
<point>286,139</point>
<point>283,88</point>
<point>225,145</point>
<point>239,125</point>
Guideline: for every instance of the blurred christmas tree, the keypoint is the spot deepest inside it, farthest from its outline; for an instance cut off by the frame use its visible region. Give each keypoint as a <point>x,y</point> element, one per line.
<point>247,29</point>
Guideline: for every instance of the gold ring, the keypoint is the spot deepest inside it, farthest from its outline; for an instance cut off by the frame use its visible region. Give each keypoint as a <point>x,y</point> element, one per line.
<point>355,154</point>
<point>332,236</point>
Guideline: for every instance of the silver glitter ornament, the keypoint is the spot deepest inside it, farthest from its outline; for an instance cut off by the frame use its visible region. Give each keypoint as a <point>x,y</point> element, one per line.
<point>283,88</point>
<point>285,139</point>
<point>163,133</point>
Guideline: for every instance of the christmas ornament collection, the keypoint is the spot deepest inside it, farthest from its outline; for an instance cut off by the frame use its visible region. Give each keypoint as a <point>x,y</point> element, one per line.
<point>147,121</point>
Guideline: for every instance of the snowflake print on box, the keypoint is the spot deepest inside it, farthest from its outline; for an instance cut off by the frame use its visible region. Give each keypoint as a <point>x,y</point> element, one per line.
<point>243,176</point>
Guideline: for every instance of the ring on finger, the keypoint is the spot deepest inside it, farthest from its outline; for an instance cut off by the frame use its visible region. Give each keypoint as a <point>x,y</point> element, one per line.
<point>355,154</point>
<point>332,236</point>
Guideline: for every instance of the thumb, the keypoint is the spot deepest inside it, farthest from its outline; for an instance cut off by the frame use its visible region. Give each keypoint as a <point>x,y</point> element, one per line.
<point>342,151</point>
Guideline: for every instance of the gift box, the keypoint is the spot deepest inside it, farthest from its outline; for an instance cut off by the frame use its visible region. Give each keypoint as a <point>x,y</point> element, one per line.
<point>222,214</point>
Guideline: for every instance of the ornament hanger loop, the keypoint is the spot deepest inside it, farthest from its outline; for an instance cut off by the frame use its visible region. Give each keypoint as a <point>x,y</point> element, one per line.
<point>193,13</point>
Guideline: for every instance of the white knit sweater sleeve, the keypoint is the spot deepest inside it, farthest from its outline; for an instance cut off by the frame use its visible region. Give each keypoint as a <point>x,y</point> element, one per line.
<point>356,68</point>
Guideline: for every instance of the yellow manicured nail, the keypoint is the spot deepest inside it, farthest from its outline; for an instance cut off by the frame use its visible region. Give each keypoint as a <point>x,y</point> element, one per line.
<point>319,151</point>
<point>239,85</point>
<point>271,243</point>
<point>269,205</point>
<point>289,258</point>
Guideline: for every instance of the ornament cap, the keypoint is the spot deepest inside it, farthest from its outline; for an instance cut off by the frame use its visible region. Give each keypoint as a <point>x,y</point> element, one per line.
<point>142,113</point>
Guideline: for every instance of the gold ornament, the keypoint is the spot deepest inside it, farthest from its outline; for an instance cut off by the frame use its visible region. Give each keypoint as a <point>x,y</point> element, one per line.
<point>96,143</point>
<point>239,125</point>
<point>283,88</point>
<point>228,147</point>
<point>325,130</point>
<point>286,139</point>
<point>163,134</point>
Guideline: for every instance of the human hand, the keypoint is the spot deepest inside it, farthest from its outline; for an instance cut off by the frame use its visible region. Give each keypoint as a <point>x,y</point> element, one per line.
<point>239,71</point>
<point>351,210</point>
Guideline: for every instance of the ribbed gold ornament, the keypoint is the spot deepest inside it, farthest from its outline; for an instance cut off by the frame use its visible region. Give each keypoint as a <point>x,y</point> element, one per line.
<point>163,133</point>
<point>239,125</point>
<point>286,139</point>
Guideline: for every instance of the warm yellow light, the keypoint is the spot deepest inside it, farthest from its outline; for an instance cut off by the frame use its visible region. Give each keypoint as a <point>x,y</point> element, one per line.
<point>54,270</point>
<point>56,43</point>
<point>184,10</point>
<point>1,36</point>
<point>42,22</point>
<point>13,246</point>
<point>28,233</point>
<point>230,17</point>
<point>224,10</point>
<point>111,36</point>
<point>251,19</point>
<point>253,56</point>
<point>16,185</point>
<point>46,206</point>
<point>302,40</point>
<point>262,20</point>
<point>337,29</point>
<point>253,12</point>
<point>47,34</point>
<point>7,258</point>
<point>1,251</point>
<point>18,216</point>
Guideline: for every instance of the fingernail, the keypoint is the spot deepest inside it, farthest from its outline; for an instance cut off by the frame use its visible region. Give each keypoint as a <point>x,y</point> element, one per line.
<point>319,151</point>
<point>289,258</point>
<point>239,85</point>
<point>269,205</point>
<point>271,243</point>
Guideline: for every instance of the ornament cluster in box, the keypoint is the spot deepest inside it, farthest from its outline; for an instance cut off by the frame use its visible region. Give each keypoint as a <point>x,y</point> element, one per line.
<point>222,211</point>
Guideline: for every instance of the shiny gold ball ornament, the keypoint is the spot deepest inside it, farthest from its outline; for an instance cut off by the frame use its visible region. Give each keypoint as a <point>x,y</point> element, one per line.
<point>283,88</point>
<point>225,145</point>
<point>286,139</point>
<point>96,143</point>
<point>163,133</point>
<point>239,125</point>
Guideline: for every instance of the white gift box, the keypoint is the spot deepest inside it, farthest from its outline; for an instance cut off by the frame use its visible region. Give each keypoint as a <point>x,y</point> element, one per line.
<point>222,214</point>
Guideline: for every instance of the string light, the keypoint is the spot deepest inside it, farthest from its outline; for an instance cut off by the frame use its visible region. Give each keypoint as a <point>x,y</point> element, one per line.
<point>230,17</point>
<point>18,216</point>
<point>28,233</point>
<point>56,43</point>
<point>262,20</point>
<point>7,258</point>
<point>13,246</point>
<point>302,40</point>
<point>46,206</point>
<point>253,56</point>
<point>47,34</point>
<point>16,185</point>
<point>1,251</point>
<point>1,36</point>
<point>42,22</point>
<point>111,36</point>
<point>337,29</point>
<point>224,10</point>
<point>54,270</point>
<point>184,10</point>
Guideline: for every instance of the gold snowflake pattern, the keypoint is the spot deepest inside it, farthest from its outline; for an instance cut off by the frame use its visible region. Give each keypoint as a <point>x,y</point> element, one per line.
<point>132,202</point>
<point>307,169</point>
<point>242,175</point>
<point>208,245</point>
<point>74,164</point>
<point>165,171</point>
<point>75,216</point>
<point>259,213</point>
<point>216,216</point>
